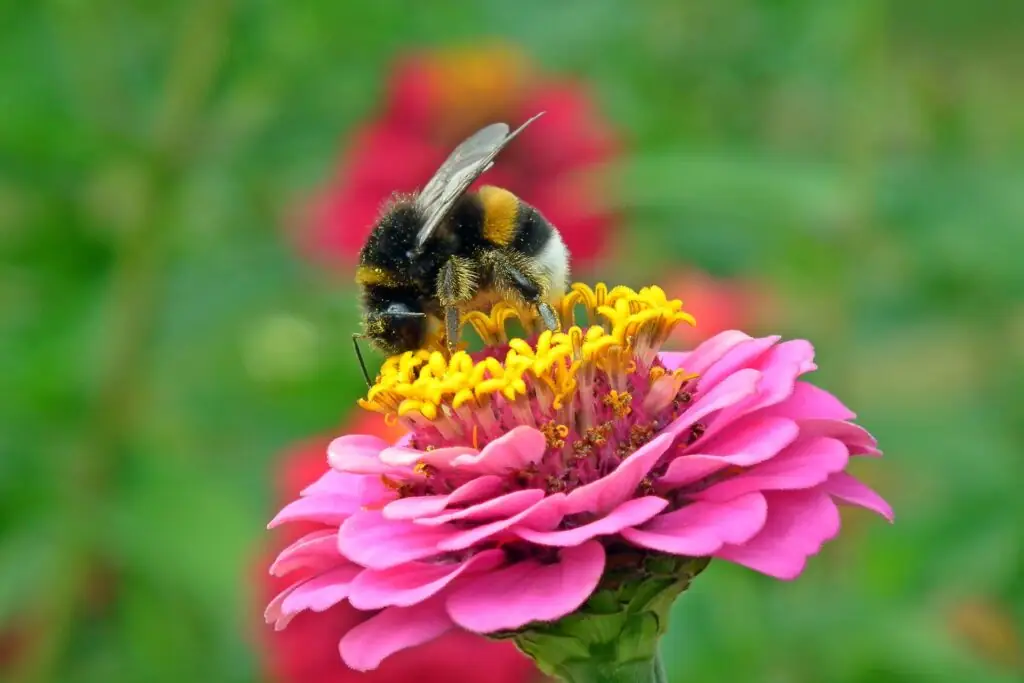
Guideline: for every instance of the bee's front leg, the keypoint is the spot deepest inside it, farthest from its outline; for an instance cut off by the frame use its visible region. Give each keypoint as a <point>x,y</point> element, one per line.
<point>456,284</point>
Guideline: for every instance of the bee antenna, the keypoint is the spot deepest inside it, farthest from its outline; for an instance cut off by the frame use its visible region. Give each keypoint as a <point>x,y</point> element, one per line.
<point>359,354</point>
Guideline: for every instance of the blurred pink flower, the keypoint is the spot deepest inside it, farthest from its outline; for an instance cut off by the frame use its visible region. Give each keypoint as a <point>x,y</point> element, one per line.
<point>720,304</point>
<point>307,652</point>
<point>434,100</point>
<point>522,476</point>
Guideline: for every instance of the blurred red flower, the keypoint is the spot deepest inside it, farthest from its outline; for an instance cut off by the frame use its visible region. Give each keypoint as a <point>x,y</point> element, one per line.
<point>307,651</point>
<point>718,304</point>
<point>436,99</point>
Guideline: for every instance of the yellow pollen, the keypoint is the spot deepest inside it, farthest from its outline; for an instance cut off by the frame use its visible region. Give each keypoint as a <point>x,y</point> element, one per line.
<point>640,434</point>
<point>555,434</point>
<point>555,484</point>
<point>598,436</point>
<point>397,486</point>
<point>619,403</point>
<point>623,331</point>
<point>646,486</point>
<point>424,469</point>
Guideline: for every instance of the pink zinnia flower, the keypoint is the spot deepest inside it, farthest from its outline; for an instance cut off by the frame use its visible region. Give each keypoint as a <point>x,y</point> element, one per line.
<point>433,101</point>
<point>581,476</point>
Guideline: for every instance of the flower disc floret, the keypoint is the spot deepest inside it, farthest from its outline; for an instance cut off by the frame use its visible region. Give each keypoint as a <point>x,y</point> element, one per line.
<point>551,379</point>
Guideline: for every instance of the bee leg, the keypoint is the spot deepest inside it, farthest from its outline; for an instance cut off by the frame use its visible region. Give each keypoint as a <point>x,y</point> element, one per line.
<point>456,284</point>
<point>528,286</point>
<point>451,328</point>
<point>548,315</point>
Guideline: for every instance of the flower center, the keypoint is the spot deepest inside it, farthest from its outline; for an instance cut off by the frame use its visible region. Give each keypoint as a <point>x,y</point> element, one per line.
<point>596,391</point>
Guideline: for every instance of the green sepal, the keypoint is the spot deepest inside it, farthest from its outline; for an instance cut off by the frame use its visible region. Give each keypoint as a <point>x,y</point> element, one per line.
<point>618,628</point>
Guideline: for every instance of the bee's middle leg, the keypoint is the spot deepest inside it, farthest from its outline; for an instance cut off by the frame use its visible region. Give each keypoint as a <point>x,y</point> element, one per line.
<point>456,284</point>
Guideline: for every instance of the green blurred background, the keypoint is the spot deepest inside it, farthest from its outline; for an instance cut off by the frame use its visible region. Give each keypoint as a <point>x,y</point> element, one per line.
<point>161,341</point>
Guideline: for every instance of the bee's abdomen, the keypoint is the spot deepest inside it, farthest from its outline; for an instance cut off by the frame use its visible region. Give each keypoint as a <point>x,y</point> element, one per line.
<point>510,222</point>
<point>533,232</point>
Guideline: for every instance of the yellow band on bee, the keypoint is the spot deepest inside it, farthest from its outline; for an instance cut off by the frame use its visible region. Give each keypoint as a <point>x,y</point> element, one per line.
<point>501,208</point>
<point>375,275</point>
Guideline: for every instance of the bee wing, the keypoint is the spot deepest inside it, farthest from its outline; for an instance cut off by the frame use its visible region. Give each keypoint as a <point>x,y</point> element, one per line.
<point>463,166</point>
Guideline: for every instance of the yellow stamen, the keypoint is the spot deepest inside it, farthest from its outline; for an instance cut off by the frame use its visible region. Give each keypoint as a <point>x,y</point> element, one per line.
<point>555,434</point>
<point>619,403</point>
<point>424,469</point>
<point>625,330</point>
<point>598,436</point>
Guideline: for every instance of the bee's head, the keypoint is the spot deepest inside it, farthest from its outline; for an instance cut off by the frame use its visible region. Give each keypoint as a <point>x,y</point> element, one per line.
<point>398,327</point>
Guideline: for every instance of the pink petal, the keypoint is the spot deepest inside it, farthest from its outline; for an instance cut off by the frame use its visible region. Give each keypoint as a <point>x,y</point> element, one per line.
<point>528,591</point>
<point>545,515</point>
<point>673,360</point>
<point>333,482</point>
<point>856,438</point>
<point>402,456</point>
<point>630,513</point>
<point>273,614</point>
<point>754,434</point>
<point>842,485</point>
<point>806,463</point>
<point>499,507</point>
<point>798,353</point>
<point>779,369</point>
<point>367,489</point>
<point>510,452</point>
<point>396,628</point>
<point>808,401</point>
<point>703,527</point>
<point>687,469</point>
<point>707,353</point>
<point>610,491</point>
<point>415,506</point>
<point>358,454</point>
<point>750,441</point>
<point>369,539</point>
<point>727,393</point>
<point>798,524</point>
<point>320,592</point>
<point>420,506</point>
<point>414,582</point>
<point>333,509</point>
<point>318,550</point>
<point>740,356</point>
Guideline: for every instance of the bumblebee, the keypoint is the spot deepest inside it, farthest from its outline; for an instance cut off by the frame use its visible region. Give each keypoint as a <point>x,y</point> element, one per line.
<point>436,255</point>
